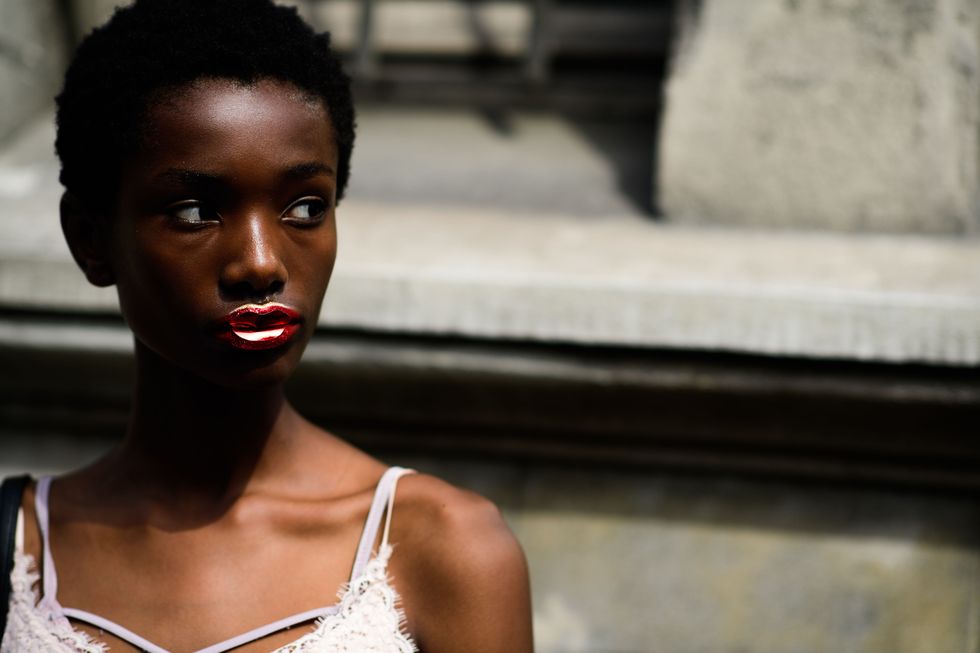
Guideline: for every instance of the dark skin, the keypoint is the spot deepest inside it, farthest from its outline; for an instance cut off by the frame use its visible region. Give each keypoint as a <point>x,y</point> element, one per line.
<point>223,509</point>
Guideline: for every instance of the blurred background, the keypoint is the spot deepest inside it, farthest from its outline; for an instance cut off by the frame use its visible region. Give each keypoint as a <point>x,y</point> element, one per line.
<point>691,289</point>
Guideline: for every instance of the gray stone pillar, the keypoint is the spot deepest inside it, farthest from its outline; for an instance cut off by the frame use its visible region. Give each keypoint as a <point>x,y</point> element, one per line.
<point>858,115</point>
<point>33,51</point>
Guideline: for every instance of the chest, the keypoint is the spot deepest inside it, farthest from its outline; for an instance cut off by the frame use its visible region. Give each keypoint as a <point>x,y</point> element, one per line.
<point>364,619</point>
<point>186,589</point>
<point>186,574</point>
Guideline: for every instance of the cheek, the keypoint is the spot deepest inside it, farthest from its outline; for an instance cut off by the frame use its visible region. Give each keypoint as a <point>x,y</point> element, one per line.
<point>314,260</point>
<point>157,279</point>
<point>312,276</point>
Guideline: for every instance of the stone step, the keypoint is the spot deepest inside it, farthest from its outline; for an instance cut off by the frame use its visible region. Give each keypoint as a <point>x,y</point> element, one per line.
<point>418,256</point>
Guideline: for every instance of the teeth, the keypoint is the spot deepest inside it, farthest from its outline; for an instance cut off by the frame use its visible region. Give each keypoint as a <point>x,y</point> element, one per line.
<point>256,336</point>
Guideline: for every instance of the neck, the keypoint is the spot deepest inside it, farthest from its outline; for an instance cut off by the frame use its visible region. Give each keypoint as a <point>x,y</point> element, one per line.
<point>192,441</point>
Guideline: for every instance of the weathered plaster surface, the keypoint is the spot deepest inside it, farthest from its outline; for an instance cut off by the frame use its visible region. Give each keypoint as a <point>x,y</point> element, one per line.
<point>855,115</point>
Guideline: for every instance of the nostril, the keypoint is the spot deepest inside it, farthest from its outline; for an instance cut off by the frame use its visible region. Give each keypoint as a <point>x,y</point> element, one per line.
<point>248,291</point>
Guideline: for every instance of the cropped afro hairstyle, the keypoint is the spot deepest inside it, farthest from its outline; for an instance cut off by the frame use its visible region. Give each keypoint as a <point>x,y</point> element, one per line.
<point>154,46</point>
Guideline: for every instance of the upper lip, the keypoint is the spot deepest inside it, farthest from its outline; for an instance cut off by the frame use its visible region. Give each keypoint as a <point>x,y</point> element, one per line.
<point>260,316</point>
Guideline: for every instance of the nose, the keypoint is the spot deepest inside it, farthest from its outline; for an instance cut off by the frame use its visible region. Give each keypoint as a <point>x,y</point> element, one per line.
<point>253,268</point>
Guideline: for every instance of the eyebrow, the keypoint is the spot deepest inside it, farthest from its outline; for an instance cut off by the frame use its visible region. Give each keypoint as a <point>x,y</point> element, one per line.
<point>189,177</point>
<point>299,171</point>
<point>308,170</point>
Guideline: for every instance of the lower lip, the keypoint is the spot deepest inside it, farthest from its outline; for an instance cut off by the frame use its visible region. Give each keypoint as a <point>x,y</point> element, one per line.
<point>269,338</point>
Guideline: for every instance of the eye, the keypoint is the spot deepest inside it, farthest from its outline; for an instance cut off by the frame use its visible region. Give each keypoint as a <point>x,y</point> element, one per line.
<point>310,210</point>
<point>194,214</point>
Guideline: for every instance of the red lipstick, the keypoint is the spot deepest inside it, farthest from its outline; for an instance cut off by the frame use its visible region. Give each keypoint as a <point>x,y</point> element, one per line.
<point>259,326</point>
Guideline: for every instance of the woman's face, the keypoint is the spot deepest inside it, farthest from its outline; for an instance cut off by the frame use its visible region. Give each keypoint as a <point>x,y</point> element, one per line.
<point>224,237</point>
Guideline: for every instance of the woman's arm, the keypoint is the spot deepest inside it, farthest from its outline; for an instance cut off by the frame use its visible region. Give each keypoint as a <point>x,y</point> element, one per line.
<point>466,588</point>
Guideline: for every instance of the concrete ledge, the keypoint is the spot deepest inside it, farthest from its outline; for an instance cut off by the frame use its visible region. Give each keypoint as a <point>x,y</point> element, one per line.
<point>617,279</point>
<point>818,420</point>
<point>634,283</point>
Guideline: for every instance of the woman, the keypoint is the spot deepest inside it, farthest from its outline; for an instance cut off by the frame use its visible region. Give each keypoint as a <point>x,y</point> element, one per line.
<point>204,147</point>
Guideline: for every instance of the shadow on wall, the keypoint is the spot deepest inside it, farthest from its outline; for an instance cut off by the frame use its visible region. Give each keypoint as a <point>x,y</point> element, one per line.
<point>630,151</point>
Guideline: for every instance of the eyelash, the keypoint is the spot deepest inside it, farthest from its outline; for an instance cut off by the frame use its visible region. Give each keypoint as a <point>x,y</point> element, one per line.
<point>314,215</point>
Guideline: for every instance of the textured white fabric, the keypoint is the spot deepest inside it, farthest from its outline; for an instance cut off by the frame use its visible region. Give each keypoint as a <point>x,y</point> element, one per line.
<point>29,630</point>
<point>369,618</point>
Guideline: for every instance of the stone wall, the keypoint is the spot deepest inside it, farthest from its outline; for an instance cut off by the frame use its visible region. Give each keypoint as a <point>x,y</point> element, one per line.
<point>851,115</point>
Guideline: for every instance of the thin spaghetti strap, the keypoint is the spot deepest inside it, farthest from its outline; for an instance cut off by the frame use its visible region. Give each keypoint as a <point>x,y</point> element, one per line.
<point>229,644</point>
<point>122,633</point>
<point>373,521</point>
<point>391,506</point>
<point>49,596</point>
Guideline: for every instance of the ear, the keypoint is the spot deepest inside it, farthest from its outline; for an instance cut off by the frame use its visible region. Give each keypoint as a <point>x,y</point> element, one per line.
<point>88,239</point>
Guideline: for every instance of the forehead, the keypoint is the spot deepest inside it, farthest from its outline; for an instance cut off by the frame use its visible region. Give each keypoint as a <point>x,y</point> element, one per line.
<point>210,120</point>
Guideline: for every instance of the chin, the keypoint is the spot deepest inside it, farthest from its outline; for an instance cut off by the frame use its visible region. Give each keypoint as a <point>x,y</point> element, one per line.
<point>260,369</point>
<point>258,378</point>
<point>225,367</point>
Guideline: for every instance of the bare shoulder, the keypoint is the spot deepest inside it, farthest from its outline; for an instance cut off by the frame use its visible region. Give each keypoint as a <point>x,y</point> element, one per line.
<point>459,568</point>
<point>458,516</point>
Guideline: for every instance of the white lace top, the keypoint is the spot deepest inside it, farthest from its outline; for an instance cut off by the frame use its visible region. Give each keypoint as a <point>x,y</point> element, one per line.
<point>366,619</point>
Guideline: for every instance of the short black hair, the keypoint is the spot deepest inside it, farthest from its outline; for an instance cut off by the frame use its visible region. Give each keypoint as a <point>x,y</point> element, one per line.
<point>154,46</point>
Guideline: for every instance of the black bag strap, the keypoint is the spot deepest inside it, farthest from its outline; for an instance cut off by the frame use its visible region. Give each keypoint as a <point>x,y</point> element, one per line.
<point>11,493</point>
